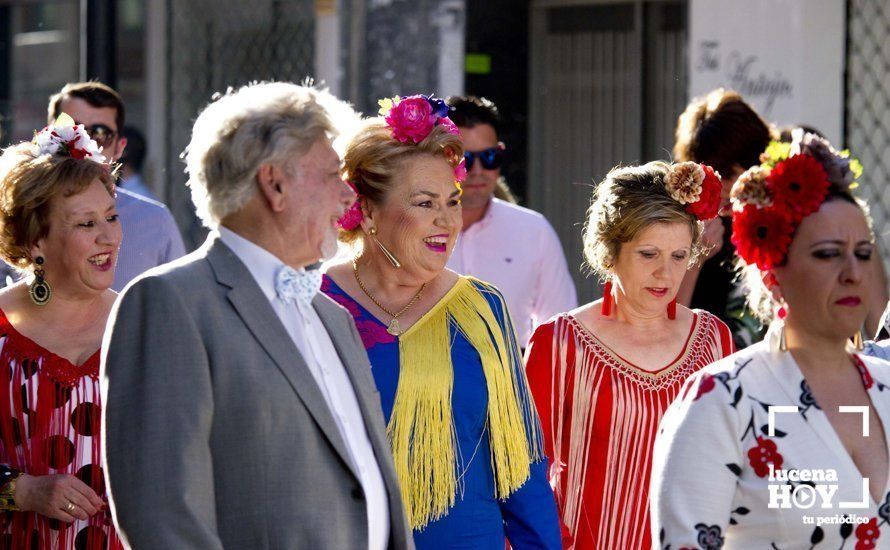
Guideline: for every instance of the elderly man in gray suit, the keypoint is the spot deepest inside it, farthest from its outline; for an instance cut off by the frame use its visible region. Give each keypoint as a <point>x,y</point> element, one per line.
<point>240,411</point>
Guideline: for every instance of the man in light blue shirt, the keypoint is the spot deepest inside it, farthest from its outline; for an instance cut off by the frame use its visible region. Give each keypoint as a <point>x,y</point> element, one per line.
<point>151,237</point>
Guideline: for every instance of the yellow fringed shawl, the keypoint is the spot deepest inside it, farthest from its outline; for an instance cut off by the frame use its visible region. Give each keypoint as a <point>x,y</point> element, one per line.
<point>421,427</point>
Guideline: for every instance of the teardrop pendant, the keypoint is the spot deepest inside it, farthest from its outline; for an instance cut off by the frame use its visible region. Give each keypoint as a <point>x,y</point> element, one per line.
<point>394,327</point>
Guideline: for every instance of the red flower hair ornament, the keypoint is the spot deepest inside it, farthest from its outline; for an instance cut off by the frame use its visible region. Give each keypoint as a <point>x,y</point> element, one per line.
<point>769,201</point>
<point>762,235</point>
<point>799,184</point>
<point>697,186</point>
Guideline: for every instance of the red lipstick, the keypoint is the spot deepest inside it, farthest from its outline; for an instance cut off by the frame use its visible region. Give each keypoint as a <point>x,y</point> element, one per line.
<point>851,301</point>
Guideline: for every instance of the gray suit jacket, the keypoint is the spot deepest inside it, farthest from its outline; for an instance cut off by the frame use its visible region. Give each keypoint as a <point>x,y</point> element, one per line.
<point>216,433</point>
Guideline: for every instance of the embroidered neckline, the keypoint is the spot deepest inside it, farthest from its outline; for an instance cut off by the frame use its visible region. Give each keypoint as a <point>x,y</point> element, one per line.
<point>53,365</point>
<point>680,367</point>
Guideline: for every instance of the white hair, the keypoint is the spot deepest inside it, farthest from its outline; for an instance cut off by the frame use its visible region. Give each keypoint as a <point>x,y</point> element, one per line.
<point>262,123</point>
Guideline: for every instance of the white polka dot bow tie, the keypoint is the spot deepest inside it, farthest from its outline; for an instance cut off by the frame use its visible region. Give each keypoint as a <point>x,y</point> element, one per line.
<point>299,286</point>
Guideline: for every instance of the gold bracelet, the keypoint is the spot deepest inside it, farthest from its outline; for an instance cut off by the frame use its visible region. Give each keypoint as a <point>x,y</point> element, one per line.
<point>7,494</point>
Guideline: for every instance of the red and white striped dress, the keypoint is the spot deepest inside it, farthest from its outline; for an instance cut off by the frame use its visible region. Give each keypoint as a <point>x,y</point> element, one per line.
<point>600,414</point>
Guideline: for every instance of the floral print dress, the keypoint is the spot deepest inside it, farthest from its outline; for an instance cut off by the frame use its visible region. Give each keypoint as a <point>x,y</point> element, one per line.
<point>722,478</point>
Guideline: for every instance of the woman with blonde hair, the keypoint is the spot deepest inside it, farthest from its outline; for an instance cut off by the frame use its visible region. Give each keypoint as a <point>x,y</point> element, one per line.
<point>464,433</point>
<point>603,374</point>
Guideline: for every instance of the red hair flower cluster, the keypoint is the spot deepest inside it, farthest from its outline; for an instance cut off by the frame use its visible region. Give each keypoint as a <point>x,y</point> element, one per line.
<point>697,186</point>
<point>708,204</point>
<point>769,202</point>
<point>412,119</point>
<point>761,235</point>
<point>800,184</point>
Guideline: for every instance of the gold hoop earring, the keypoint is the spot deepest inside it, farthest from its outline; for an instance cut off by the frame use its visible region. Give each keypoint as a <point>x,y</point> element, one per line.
<point>39,290</point>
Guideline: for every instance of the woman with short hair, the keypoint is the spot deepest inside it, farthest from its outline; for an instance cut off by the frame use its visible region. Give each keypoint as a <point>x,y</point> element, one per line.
<point>57,223</point>
<point>603,374</point>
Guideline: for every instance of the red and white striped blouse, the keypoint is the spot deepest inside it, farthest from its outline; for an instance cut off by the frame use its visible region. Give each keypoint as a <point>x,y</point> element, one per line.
<point>600,414</point>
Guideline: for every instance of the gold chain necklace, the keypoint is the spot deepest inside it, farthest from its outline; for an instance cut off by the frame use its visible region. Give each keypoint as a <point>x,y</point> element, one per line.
<point>393,327</point>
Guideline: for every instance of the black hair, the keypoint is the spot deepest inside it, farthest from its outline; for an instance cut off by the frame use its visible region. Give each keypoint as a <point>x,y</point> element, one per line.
<point>134,153</point>
<point>469,111</point>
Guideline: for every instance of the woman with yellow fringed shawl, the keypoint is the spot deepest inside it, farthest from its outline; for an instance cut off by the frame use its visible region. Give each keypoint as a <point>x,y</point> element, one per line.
<point>461,422</point>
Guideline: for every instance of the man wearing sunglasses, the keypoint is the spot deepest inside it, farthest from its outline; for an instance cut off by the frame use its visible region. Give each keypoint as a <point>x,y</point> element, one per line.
<point>512,247</point>
<point>151,236</point>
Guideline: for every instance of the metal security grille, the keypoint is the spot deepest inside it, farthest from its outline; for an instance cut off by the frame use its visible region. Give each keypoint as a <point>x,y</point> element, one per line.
<point>400,54</point>
<point>867,120</point>
<point>214,44</point>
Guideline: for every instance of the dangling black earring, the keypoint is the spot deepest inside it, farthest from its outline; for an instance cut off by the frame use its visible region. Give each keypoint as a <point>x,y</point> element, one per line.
<point>40,291</point>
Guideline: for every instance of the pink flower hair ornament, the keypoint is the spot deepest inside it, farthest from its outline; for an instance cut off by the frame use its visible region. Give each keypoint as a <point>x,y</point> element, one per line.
<point>352,218</point>
<point>412,118</point>
<point>460,171</point>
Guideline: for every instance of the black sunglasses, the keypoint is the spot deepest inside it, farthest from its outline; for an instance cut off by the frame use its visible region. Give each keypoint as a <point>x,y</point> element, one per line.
<point>101,134</point>
<point>490,158</point>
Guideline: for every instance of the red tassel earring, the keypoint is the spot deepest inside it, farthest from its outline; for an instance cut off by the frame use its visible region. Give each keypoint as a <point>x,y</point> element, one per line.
<point>607,300</point>
<point>672,309</point>
<point>782,313</point>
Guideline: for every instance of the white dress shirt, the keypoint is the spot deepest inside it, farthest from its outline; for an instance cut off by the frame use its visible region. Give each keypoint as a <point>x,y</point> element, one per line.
<point>517,250</point>
<point>311,338</point>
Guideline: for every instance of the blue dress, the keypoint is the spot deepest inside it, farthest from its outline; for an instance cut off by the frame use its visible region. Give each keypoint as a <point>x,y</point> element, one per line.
<point>478,520</point>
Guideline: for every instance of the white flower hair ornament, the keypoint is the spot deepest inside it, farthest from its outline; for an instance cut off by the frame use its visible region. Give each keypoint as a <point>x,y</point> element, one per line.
<point>64,137</point>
